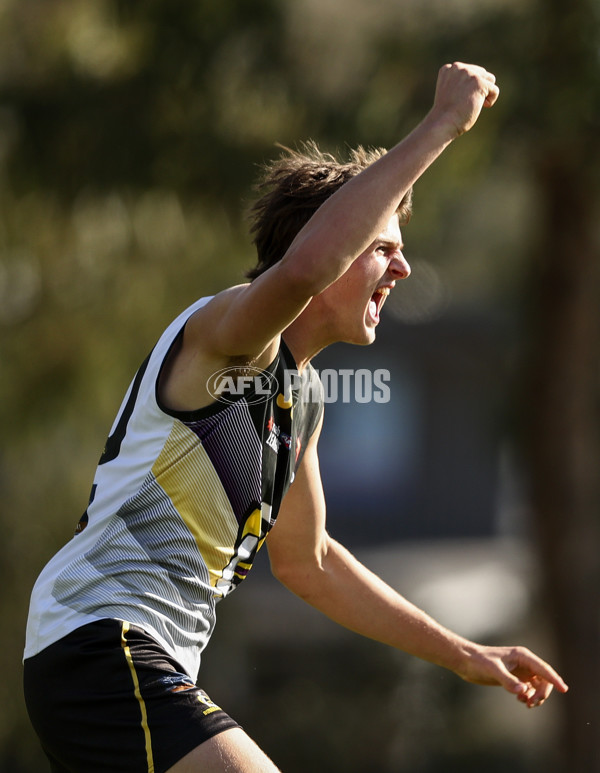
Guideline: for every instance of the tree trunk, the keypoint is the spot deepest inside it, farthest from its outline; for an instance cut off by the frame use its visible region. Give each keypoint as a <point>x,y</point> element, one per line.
<point>562,406</point>
<point>564,449</point>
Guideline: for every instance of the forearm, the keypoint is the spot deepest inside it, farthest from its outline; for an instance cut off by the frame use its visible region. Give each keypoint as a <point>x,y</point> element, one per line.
<point>348,593</point>
<point>351,595</point>
<point>348,222</point>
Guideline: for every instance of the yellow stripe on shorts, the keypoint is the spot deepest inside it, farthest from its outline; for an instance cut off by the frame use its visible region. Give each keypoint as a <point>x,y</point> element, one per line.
<point>138,695</point>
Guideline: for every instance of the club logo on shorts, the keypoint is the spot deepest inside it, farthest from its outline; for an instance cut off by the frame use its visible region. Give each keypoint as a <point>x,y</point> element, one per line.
<point>206,701</point>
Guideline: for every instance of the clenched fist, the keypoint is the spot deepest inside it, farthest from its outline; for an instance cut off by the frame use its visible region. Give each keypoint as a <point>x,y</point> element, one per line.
<point>462,91</point>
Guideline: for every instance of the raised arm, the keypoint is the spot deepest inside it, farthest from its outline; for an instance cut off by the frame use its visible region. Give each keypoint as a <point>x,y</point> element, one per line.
<point>326,575</point>
<point>244,322</point>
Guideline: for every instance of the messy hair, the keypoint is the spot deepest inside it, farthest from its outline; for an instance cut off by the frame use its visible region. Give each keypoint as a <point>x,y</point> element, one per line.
<point>293,187</point>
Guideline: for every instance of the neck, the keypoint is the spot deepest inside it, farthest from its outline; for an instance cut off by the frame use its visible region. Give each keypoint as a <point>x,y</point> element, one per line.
<point>305,339</point>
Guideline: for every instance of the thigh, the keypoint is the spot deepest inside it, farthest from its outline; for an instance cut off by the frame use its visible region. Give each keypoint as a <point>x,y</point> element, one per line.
<point>232,751</point>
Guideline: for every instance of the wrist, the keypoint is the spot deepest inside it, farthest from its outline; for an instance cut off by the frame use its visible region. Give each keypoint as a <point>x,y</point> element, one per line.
<point>441,126</point>
<point>461,655</point>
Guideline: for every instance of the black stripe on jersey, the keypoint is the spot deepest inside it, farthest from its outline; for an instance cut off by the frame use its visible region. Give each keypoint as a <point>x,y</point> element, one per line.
<point>113,443</point>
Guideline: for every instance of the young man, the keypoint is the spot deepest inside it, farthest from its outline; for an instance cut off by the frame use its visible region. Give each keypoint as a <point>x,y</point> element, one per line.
<point>189,486</point>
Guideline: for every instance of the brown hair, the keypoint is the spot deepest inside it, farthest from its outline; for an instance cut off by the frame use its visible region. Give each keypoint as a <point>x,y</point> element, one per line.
<point>295,185</point>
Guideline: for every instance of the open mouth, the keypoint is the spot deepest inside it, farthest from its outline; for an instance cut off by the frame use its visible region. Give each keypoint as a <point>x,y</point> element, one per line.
<point>377,301</point>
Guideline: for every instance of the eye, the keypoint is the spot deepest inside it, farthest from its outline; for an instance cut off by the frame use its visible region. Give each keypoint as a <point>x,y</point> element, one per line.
<point>388,251</point>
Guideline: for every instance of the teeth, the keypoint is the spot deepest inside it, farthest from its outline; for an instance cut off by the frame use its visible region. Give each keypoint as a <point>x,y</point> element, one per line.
<point>383,291</point>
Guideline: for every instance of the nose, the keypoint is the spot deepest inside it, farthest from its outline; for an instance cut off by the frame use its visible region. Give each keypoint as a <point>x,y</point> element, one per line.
<point>398,267</point>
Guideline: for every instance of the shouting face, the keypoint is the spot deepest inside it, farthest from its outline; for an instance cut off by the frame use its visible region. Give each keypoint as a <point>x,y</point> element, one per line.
<point>351,306</point>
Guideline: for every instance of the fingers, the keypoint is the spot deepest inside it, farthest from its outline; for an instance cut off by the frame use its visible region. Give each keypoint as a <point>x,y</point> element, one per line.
<point>492,95</point>
<point>518,670</point>
<point>511,682</point>
<point>462,91</point>
<point>537,692</point>
<point>527,662</point>
<point>486,81</point>
<point>529,677</point>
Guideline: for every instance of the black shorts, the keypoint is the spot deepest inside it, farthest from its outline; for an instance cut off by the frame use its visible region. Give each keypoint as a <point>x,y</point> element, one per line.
<point>108,699</point>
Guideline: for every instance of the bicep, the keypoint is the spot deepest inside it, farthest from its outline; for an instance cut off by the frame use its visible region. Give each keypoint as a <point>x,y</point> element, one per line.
<point>298,541</point>
<point>245,320</point>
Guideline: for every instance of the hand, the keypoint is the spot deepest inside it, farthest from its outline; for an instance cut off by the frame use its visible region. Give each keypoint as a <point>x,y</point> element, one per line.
<point>515,668</point>
<point>462,91</point>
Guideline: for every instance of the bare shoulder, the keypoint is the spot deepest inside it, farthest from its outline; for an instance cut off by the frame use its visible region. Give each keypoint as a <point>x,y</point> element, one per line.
<point>241,325</point>
<point>205,331</point>
<point>244,320</point>
<point>197,355</point>
<point>204,324</point>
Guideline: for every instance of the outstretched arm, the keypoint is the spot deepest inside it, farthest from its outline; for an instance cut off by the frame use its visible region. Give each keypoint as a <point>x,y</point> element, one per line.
<point>326,575</point>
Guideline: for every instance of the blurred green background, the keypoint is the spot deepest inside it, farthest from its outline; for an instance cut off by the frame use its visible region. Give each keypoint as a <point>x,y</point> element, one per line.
<point>130,134</point>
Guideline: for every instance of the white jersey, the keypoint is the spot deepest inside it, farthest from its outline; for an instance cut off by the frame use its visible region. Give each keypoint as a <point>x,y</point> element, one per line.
<point>180,504</point>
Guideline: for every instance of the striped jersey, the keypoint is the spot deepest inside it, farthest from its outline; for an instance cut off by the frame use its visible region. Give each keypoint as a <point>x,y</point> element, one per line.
<point>180,504</point>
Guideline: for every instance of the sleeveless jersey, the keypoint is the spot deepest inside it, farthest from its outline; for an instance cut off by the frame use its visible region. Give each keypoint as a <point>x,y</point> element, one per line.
<point>181,503</point>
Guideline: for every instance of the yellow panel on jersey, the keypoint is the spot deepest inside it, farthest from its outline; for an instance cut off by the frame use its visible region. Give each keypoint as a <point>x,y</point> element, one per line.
<point>186,474</point>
